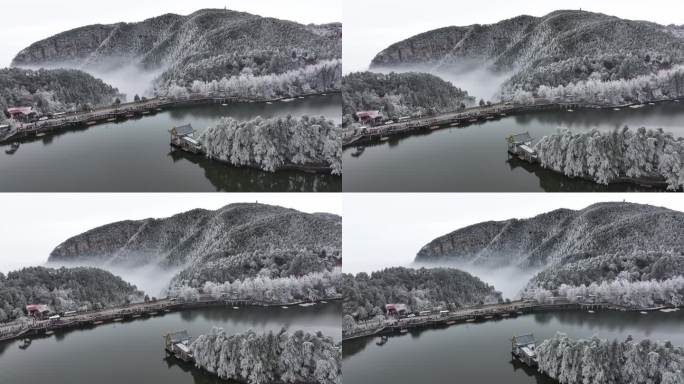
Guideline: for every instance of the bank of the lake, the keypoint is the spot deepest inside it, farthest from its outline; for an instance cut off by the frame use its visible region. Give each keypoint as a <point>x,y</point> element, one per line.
<point>133,351</point>
<point>134,155</point>
<point>474,158</point>
<point>480,352</point>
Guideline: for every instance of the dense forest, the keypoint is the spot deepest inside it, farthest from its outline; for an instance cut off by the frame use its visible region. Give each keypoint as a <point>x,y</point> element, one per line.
<point>400,94</point>
<point>561,236</point>
<point>308,287</point>
<point>63,289</point>
<point>275,143</point>
<point>633,267</point>
<point>591,54</point>
<point>325,76</point>
<point>365,296</point>
<point>205,46</point>
<point>49,91</point>
<point>606,157</point>
<point>298,357</point>
<point>663,85</point>
<point>237,242</point>
<point>622,291</point>
<point>600,361</point>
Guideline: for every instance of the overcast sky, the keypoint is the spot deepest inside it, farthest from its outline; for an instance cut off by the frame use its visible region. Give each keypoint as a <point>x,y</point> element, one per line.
<point>33,225</point>
<point>381,230</point>
<point>28,21</point>
<point>371,26</point>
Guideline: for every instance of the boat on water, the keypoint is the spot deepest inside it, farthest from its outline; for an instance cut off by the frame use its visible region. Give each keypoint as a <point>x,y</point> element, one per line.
<point>236,307</point>
<point>471,320</point>
<point>25,343</point>
<point>382,341</point>
<point>268,102</point>
<point>224,104</point>
<point>451,322</point>
<point>384,138</point>
<point>616,109</point>
<point>13,148</point>
<point>403,330</point>
<point>284,307</point>
<point>324,302</point>
<point>571,110</point>
<point>358,151</point>
<point>637,106</point>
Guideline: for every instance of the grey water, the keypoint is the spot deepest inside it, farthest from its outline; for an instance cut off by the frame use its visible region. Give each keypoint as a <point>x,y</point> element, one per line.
<point>135,156</point>
<point>474,158</point>
<point>480,352</point>
<point>132,352</point>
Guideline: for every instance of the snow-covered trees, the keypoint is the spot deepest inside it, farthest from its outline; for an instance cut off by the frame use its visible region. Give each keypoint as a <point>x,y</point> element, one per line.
<point>281,290</point>
<point>608,156</point>
<point>664,84</point>
<point>298,357</point>
<point>599,361</point>
<point>272,144</point>
<point>325,76</point>
<point>365,296</point>
<point>55,90</point>
<point>620,291</point>
<point>401,94</point>
<point>62,289</point>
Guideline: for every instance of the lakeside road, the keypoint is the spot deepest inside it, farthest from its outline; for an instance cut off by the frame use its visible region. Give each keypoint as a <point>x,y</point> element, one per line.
<point>131,110</point>
<point>477,313</point>
<point>16,329</point>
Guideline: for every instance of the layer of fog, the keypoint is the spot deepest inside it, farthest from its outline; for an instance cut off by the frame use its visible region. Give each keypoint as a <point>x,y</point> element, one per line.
<point>125,75</point>
<point>475,78</point>
<point>508,280</point>
<point>149,278</point>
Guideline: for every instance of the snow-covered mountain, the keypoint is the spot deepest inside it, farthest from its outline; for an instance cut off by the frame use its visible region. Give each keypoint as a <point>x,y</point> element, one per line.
<point>62,289</point>
<point>235,242</point>
<point>400,94</point>
<point>206,45</point>
<point>54,90</point>
<point>562,47</point>
<point>425,288</point>
<point>560,236</point>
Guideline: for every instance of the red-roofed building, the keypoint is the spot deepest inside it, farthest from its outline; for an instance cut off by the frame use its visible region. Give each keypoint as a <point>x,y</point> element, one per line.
<point>396,309</point>
<point>369,117</point>
<point>37,310</point>
<point>20,113</point>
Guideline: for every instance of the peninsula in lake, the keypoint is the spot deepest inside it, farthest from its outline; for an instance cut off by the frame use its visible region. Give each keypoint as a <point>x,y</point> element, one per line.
<point>223,90</point>
<point>573,78</point>
<point>594,275</point>
<point>256,286</point>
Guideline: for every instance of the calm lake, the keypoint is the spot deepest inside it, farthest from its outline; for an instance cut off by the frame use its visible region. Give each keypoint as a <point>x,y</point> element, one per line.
<point>135,155</point>
<point>132,352</point>
<point>480,352</point>
<point>474,158</point>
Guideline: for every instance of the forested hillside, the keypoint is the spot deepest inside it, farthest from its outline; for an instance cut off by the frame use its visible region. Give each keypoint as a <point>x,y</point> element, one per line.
<point>298,357</point>
<point>400,94</point>
<point>237,242</point>
<point>621,253</point>
<point>50,91</point>
<point>570,48</point>
<point>605,157</point>
<point>365,295</point>
<point>276,143</point>
<point>63,289</point>
<point>205,46</point>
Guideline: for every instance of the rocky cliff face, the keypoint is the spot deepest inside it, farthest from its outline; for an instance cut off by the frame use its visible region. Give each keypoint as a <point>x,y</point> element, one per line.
<point>236,241</point>
<point>555,49</point>
<point>204,45</point>
<point>562,235</point>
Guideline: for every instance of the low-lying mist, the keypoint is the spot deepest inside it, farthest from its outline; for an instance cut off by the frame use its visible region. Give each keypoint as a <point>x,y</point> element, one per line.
<point>475,78</point>
<point>151,279</point>
<point>128,77</point>
<point>509,280</point>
